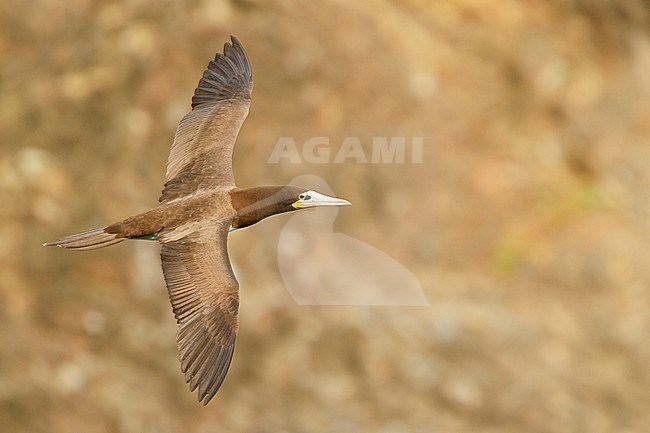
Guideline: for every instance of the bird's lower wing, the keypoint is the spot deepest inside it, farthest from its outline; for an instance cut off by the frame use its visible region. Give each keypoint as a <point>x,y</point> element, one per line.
<point>205,298</point>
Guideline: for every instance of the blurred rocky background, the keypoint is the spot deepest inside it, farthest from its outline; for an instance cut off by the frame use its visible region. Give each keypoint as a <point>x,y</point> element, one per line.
<point>527,224</point>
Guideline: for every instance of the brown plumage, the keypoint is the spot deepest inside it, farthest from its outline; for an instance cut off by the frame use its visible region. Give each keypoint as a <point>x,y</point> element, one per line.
<point>199,205</point>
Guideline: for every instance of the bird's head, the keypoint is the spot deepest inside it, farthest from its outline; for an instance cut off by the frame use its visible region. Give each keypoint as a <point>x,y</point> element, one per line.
<point>255,204</point>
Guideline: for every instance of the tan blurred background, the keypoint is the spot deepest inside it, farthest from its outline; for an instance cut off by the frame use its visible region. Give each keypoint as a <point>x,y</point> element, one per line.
<point>527,226</point>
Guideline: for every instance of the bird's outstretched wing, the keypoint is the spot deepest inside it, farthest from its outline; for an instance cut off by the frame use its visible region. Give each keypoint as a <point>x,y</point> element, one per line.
<point>205,298</point>
<point>201,155</point>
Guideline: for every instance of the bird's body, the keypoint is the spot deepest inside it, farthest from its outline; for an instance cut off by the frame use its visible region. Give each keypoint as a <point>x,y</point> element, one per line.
<point>199,205</point>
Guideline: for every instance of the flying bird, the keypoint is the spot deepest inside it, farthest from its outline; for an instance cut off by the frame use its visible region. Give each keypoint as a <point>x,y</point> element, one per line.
<point>200,204</point>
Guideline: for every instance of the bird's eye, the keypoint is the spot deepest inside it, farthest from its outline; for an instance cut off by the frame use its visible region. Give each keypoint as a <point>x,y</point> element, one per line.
<point>301,196</point>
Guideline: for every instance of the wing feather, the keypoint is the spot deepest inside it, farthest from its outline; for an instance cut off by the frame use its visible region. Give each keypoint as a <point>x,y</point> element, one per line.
<point>201,155</point>
<point>205,298</point>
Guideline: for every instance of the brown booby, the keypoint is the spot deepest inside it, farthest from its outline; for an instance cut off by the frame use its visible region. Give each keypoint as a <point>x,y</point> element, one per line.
<point>199,205</point>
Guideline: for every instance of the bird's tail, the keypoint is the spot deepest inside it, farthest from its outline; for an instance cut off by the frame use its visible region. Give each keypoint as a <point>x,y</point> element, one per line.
<point>142,226</point>
<point>88,240</point>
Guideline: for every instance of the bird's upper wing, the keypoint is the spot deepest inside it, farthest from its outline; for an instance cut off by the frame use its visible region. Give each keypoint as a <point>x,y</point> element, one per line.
<point>201,155</point>
<point>205,298</point>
